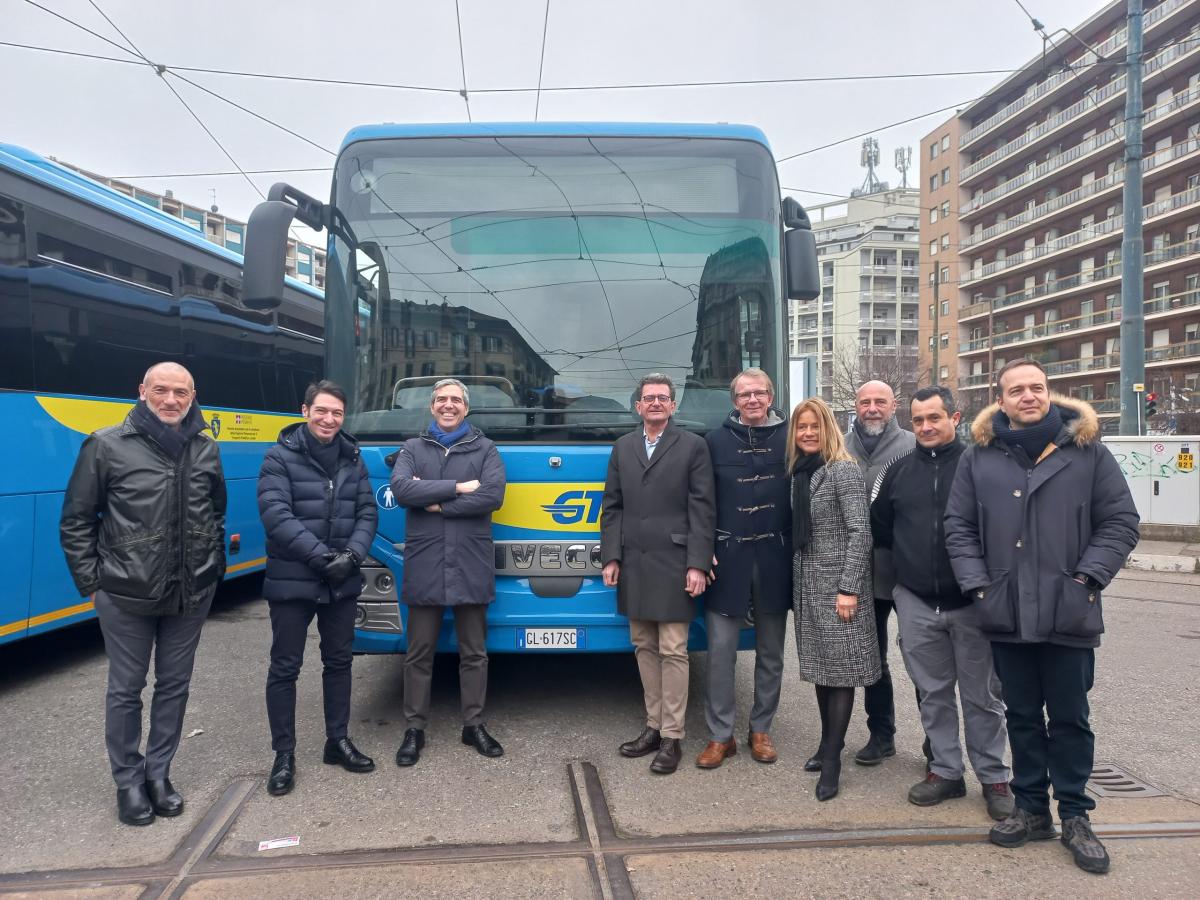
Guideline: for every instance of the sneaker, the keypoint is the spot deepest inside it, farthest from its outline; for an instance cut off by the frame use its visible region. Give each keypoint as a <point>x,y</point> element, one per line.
<point>933,789</point>
<point>1085,847</point>
<point>999,799</point>
<point>875,751</point>
<point>1021,827</point>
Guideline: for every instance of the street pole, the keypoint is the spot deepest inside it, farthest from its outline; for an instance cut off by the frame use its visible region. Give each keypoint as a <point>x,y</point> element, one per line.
<point>1133,327</point>
<point>937,338</point>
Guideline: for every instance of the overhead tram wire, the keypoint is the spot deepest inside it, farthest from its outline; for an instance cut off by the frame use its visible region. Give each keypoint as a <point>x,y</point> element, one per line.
<point>541,63</point>
<point>462,60</point>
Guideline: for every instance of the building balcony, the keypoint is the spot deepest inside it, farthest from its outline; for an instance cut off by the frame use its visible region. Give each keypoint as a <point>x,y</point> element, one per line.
<point>889,269</point>
<point>1185,150</point>
<point>1090,105</point>
<point>1158,211</point>
<point>826,281</point>
<point>877,323</point>
<point>1153,259</point>
<point>1055,82</point>
<point>910,323</point>
<point>1169,354</point>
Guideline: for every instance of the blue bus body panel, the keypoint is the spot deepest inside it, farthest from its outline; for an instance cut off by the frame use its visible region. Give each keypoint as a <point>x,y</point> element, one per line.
<point>557,129</point>
<point>582,470</point>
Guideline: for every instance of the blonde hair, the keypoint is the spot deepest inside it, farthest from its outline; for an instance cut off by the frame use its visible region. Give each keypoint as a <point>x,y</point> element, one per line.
<point>833,446</point>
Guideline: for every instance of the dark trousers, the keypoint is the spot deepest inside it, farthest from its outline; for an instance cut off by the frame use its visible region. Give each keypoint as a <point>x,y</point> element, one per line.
<point>424,625</point>
<point>877,697</point>
<point>129,641</point>
<point>1045,688</point>
<point>289,628</point>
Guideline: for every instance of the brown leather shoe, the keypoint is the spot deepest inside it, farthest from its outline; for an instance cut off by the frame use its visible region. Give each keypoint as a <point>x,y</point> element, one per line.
<point>761,748</point>
<point>714,754</point>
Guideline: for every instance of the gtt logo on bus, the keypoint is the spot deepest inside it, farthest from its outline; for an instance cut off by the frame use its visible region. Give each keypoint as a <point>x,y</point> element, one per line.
<point>570,507</point>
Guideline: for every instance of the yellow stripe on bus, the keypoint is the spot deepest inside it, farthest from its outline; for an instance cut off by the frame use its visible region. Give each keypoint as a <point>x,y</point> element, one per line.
<point>248,564</point>
<point>67,612</point>
<point>86,416</point>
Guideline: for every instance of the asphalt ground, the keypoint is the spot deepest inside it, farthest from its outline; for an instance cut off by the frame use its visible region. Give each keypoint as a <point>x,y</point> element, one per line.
<point>562,814</point>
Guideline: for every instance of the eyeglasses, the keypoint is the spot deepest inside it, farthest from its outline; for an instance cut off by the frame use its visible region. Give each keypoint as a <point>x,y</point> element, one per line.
<point>656,398</point>
<point>752,395</point>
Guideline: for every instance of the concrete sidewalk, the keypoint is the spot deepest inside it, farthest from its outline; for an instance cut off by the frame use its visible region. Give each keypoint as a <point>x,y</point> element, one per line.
<point>1165,556</point>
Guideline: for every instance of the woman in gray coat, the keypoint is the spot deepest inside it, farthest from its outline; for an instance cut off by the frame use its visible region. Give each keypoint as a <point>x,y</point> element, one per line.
<point>831,588</point>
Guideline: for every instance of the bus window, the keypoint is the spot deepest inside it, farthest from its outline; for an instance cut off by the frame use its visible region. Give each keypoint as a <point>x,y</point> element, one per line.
<point>16,336</point>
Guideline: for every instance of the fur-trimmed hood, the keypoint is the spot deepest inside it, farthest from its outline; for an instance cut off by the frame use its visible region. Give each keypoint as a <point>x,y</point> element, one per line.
<point>1080,421</point>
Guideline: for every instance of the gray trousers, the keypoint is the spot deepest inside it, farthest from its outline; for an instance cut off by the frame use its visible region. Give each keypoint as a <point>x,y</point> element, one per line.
<point>424,625</point>
<point>720,706</point>
<point>941,649</point>
<point>129,641</point>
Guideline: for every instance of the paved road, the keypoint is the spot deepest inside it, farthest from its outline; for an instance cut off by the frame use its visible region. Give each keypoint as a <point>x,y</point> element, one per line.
<point>562,815</point>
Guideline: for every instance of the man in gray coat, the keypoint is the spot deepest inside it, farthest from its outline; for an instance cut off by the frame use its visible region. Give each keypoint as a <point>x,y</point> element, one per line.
<point>874,440</point>
<point>143,530</point>
<point>656,543</point>
<point>1039,521</point>
<point>450,479</point>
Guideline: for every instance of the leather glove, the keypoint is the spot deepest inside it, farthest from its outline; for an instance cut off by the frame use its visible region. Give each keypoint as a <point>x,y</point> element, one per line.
<point>340,566</point>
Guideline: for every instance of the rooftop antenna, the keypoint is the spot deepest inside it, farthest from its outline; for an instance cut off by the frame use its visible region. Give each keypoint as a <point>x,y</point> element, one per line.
<point>903,164</point>
<point>869,159</point>
<point>213,208</point>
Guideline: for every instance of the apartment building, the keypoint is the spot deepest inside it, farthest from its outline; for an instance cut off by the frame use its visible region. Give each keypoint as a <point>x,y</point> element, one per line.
<point>1021,195</point>
<point>305,262</point>
<point>865,323</point>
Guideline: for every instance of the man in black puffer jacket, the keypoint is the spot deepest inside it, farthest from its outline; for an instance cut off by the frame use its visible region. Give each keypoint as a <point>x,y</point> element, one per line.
<point>318,510</point>
<point>143,529</point>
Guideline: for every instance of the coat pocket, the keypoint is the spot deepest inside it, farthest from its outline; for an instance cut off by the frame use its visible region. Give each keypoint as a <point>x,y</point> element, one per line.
<point>1078,612</point>
<point>679,540</point>
<point>206,558</point>
<point>134,569</point>
<point>994,603</point>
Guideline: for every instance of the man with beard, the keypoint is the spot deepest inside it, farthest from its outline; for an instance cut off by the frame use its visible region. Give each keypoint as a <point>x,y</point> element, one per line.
<point>874,440</point>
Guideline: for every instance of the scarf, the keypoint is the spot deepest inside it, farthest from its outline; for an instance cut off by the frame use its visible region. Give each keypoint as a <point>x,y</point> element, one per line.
<point>324,455</point>
<point>449,438</point>
<point>869,441</point>
<point>172,440</point>
<point>801,514</point>
<point>1033,438</point>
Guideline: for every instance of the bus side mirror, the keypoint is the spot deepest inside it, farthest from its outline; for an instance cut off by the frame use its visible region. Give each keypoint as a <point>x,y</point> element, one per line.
<point>800,253</point>
<point>266,253</point>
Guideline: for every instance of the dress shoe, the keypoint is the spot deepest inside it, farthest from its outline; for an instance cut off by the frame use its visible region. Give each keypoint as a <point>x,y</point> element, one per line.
<point>667,759</point>
<point>875,751</point>
<point>831,773</point>
<point>410,747</point>
<point>933,789</point>
<point>341,752</point>
<point>714,754</point>
<point>283,774</point>
<point>163,797</point>
<point>761,748</point>
<point>133,805</point>
<point>646,742</point>
<point>476,736</point>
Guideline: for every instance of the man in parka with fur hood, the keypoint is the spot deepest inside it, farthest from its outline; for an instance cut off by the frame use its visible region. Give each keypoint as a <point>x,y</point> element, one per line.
<point>1039,521</point>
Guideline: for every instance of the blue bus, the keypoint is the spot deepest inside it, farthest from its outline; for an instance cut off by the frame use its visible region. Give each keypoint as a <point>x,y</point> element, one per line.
<point>547,266</point>
<point>94,287</point>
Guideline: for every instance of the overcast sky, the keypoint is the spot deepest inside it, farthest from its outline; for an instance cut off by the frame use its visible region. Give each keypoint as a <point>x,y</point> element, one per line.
<point>121,120</point>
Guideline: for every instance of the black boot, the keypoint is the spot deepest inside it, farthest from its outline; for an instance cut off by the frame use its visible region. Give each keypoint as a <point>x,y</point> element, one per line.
<point>341,752</point>
<point>283,774</point>
<point>839,704</point>
<point>831,773</point>
<point>667,759</point>
<point>133,805</point>
<point>646,742</point>
<point>410,747</point>
<point>813,763</point>
<point>163,797</point>
<point>485,745</point>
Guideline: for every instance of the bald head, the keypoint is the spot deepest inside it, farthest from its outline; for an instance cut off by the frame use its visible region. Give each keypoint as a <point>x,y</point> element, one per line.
<point>875,404</point>
<point>168,390</point>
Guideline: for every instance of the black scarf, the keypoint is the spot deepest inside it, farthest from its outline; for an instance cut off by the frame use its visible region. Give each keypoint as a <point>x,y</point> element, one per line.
<point>801,514</point>
<point>869,441</point>
<point>326,456</point>
<point>1032,438</point>
<point>172,440</point>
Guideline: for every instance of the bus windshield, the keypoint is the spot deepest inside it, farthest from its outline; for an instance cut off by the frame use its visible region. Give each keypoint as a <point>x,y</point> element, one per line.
<point>549,274</point>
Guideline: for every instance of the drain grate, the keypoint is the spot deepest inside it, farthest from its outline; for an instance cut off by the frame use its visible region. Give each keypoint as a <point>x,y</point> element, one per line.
<point>1111,781</point>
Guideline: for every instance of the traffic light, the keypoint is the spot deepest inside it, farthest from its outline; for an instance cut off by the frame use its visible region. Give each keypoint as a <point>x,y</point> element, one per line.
<point>1151,404</point>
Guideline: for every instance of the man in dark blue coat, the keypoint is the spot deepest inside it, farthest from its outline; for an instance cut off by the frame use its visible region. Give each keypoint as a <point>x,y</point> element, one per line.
<point>319,514</point>
<point>752,565</point>
<point>451,480</point>
<point>1039,521</point>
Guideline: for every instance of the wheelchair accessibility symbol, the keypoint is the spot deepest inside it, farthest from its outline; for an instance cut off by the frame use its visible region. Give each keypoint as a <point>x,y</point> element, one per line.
<point>385,498</point>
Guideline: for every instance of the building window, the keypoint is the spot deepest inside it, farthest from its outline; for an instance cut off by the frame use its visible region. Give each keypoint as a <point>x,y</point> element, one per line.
<point>933,151</point>
<point>945,307</point>
<point>930,312</point>
<point>943,373</point>
<point>945,339</point>
<point>933,182</point>
<point>933,247</point>
<point>945,142</point>
<point>933,215</point>
<point>945,209</point>
<point>945,242</point>
<point>946,175</point>
<point>945,274</point>
<point>931,342</point>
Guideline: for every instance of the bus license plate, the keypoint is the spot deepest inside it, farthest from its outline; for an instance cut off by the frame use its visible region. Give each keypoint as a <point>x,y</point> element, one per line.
<point>550,639</point>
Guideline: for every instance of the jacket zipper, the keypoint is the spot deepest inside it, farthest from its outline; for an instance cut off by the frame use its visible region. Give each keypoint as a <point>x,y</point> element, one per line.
<point>937,585</point>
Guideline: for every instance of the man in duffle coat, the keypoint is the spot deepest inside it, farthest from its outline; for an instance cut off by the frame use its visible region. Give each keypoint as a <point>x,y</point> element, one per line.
<point>656,543</point>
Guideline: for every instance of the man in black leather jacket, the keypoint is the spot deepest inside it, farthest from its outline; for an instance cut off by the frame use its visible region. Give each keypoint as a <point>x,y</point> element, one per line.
<point>143,530</point>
